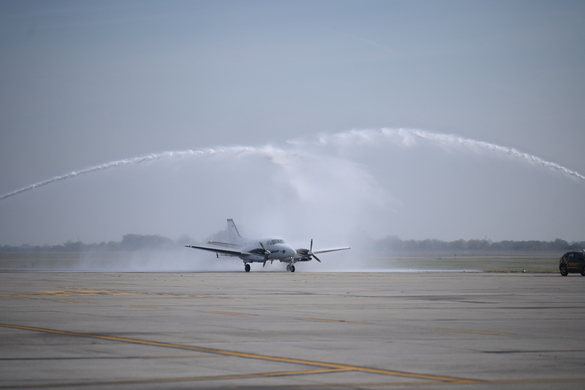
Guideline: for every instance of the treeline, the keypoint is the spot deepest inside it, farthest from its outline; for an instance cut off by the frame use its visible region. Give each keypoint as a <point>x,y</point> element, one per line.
<point>136,242</point>
<point>395,244</point>
<point>130,242</point>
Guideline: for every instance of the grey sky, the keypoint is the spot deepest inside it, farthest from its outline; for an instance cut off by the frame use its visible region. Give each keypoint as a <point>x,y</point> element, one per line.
<point>86,83</point>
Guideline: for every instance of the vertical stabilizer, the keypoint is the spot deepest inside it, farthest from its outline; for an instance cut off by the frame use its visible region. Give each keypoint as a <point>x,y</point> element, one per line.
<point>234,234</point>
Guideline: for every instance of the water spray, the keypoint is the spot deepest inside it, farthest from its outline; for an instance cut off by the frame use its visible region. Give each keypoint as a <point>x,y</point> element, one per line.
<point>408,137</point>
<point>274,155</point>
<point>281,157</point>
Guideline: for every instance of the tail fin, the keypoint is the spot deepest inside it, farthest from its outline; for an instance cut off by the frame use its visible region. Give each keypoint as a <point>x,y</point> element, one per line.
<point>234,234</point>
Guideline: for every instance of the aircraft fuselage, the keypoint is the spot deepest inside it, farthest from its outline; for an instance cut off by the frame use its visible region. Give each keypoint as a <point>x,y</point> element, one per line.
<point>274,249</point>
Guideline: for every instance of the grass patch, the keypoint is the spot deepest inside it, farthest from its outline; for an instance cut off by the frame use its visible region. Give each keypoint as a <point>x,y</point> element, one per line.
<point>498,262</point>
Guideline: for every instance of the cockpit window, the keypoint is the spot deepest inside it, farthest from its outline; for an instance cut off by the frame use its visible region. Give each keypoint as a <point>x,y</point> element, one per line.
<point>274,242</point>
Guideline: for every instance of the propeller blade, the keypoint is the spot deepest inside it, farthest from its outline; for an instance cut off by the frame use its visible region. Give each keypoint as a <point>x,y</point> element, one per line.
<point>266,251</point>
<point>311,252</point>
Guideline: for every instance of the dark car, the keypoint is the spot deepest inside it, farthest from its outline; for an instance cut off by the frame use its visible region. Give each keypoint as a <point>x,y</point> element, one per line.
<point>572,262</point>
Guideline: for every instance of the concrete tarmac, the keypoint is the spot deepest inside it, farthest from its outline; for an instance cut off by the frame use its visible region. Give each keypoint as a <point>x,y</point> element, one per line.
<point>282,330</point>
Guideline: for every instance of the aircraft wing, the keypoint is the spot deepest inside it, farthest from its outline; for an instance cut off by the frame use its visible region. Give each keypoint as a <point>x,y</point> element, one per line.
<point>228,252</point>
<point>333,250</point>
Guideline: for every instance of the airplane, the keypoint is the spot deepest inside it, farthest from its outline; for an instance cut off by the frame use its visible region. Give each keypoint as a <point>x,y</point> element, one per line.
<point>261,250</point>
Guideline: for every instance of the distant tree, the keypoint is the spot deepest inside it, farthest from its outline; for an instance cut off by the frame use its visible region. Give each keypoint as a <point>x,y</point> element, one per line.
<point>131,242</point>
<point>184,240</point>
<point>135,242</point>
<point>394,243</point>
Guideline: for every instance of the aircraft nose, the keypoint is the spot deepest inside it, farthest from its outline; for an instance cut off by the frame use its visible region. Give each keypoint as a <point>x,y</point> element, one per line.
<point>290,251</point>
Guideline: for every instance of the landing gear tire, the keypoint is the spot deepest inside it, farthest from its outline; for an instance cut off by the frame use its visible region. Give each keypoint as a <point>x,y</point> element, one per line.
<point>292,268</point>
<point>247,267</point>
<point>288,267</point>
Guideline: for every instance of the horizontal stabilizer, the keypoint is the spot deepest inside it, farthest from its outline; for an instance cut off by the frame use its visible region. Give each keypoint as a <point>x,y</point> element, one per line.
<point>225,244</point>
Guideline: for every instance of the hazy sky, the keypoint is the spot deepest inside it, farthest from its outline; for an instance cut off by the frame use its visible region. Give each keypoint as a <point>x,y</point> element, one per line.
<point>84,83</point>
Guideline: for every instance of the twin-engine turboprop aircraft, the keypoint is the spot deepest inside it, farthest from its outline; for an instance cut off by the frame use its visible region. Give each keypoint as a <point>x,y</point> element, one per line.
<point>261,250</point>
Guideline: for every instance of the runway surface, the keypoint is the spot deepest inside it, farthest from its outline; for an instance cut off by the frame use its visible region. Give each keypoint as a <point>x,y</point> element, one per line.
<point>281,330</point>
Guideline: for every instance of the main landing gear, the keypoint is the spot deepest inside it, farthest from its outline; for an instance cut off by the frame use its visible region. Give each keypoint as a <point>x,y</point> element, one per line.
<point>247,267</point>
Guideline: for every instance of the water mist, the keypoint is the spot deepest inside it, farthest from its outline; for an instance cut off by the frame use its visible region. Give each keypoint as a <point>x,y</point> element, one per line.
<point>339,189</point>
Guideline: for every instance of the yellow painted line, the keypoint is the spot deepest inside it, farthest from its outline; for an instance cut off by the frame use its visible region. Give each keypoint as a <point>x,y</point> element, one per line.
<point>167,380</point>
<point>227,312</point>
<point>178,357</point>
<point>342,321</point>
<point>68,294</point>
<point>85,303</point>
<point>81,292</point>
<point>15,296</point>
<point>147,307</point>
<point>419,376</point>
<point>55,294</point>
<point>341,367</point>
<point>470,331</point>
<point>360,385</point>
<point>269,374</point>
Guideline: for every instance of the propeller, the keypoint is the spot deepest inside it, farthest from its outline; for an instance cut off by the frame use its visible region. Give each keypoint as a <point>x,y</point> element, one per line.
<point>308,253</point>
<point>266,252</point>
<point>311,252</point>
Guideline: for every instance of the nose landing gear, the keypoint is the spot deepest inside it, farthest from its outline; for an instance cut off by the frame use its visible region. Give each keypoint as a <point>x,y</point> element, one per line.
<point>247,267</point>
<point>290,267</point>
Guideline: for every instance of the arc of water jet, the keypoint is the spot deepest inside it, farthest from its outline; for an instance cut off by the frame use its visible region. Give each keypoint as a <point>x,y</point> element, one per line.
<point>407,137</point>
<point>273,154</point>
<point>467,142</point>
<point>277,156</point>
